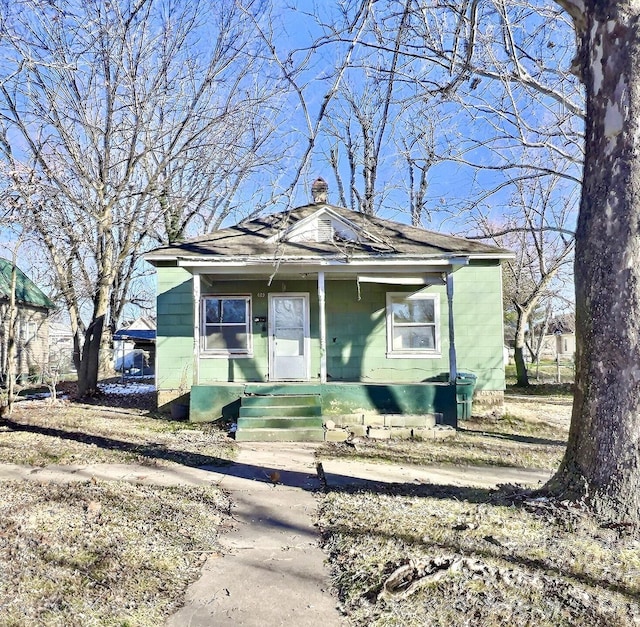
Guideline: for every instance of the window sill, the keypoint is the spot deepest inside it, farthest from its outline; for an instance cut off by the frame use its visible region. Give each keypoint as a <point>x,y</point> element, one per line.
<point>416,355</point>
<point>208,355</point>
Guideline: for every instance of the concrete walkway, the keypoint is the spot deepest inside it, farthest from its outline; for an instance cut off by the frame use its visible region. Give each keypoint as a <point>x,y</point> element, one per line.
<point>272,572</point>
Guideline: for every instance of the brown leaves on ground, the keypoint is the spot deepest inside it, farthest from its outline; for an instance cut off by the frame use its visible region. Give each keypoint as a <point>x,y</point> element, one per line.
<point>38,434</point>
<point>458,556</point>
<point>93,509</point>
<point>99,553</point>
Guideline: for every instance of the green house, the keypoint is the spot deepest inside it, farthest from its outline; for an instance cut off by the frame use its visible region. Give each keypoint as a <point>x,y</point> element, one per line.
<point>321,315</point>
<point>31,331</point>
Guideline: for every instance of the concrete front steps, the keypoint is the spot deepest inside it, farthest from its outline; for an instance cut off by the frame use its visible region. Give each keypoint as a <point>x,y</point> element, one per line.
<point>267,415</point>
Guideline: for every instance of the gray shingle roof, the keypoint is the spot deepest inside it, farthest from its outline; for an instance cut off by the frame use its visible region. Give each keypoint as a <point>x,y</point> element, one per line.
<point>388,239</point>
<point>27,292</point>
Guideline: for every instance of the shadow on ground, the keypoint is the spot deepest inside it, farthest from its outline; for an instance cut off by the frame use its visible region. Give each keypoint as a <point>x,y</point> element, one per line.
<point>262,473</point>
<point>513,437</point>
<point>151,451</point>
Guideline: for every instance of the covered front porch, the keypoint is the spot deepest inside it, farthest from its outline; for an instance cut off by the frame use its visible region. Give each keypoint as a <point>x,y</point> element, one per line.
<point>301,324</point>
<point>309,385</point>
<point>354,313</point>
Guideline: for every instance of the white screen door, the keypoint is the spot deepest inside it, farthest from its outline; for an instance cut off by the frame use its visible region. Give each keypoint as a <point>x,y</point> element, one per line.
<point>288,337</point>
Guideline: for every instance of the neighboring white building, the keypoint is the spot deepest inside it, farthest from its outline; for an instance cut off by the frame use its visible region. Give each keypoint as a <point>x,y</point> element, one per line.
<point>560,339</point>
<point>134,347</point>
<point>60,346</point>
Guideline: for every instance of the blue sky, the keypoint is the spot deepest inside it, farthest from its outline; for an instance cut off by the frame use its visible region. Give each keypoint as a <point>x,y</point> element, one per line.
<point>464,129</point>
<point>466,126</point>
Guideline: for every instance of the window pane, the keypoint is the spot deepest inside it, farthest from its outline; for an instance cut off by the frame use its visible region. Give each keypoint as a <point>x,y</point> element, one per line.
<point>226,310</point>
<point>401,311</point>
<point>226,337</point>
<point>423,310</point>
<point>212,313</point>
<point>414,338</point>
<point>225,327</point>
<point>413,310</point>
<point>288,313</point>
<point>234,310</point>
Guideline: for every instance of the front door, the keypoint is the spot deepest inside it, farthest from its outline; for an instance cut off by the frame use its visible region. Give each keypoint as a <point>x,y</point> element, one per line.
<point>288,337</point>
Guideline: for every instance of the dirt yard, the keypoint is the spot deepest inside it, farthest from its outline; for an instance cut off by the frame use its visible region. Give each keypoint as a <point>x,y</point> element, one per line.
<point>444,556</point>
<point>400,554</point>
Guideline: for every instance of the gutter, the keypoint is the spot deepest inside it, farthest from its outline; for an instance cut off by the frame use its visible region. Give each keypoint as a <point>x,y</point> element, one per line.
<point>226,262</point>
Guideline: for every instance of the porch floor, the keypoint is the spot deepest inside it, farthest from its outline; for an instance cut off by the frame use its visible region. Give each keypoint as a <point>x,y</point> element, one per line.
<point>299,411</point>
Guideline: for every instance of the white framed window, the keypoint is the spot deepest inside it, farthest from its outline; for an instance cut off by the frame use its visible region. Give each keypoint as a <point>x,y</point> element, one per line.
<point>413,325</point>
<point>226,325</point>
<point>28,331</point>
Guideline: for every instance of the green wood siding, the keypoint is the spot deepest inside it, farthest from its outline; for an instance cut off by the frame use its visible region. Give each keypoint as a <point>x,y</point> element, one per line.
<point>356,330</point>
<point>174,343</point>
<point>478,315</point>
<point>357,336</point>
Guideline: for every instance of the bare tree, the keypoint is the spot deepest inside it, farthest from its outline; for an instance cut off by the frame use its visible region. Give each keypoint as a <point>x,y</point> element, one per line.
<point>358,125</point>
<point>9,332</point>
<point>107,112</point>
<point>369,107</point>
<point>313,97</point>
<point>492,77</point>
<point>518,109</point>
<point>418,168</point>
<point>602,461</point>
<point>8,309</point>
<point>13,319</point>
<point>537,224</point>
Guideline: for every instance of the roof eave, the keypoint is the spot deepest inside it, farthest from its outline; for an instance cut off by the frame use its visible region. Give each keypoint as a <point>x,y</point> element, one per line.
<point>341,260</point>
<point>501,255</point>
<point>244,260</point>
<point>23,303</point>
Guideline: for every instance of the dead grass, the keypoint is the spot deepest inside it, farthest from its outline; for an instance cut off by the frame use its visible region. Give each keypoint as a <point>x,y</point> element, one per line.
<point>40,433</point>
<point>116,554</point>
<point>492,441</point>
<point>101,553</point>
<point>94,553</point>
<point>445,556</point>
<point>433,555</point>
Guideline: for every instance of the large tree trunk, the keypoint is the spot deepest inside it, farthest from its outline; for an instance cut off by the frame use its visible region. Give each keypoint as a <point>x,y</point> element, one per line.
<point>602,461</point>
<point>12,334</point>
<point>88,373</point>
<point>520,346</point>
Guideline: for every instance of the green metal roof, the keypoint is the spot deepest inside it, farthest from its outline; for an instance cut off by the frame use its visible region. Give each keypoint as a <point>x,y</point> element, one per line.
<point>27,292</point>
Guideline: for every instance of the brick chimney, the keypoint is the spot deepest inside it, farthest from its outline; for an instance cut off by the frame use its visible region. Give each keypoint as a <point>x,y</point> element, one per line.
<point>319,189</point>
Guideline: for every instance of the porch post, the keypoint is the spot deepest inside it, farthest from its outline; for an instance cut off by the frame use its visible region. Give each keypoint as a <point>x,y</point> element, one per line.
<point>322,321</point>
<point>196,328</point>
<point>453,366</point>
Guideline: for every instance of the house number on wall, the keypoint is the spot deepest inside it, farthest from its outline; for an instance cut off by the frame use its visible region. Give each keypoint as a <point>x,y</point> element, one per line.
<point>261,294</point>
